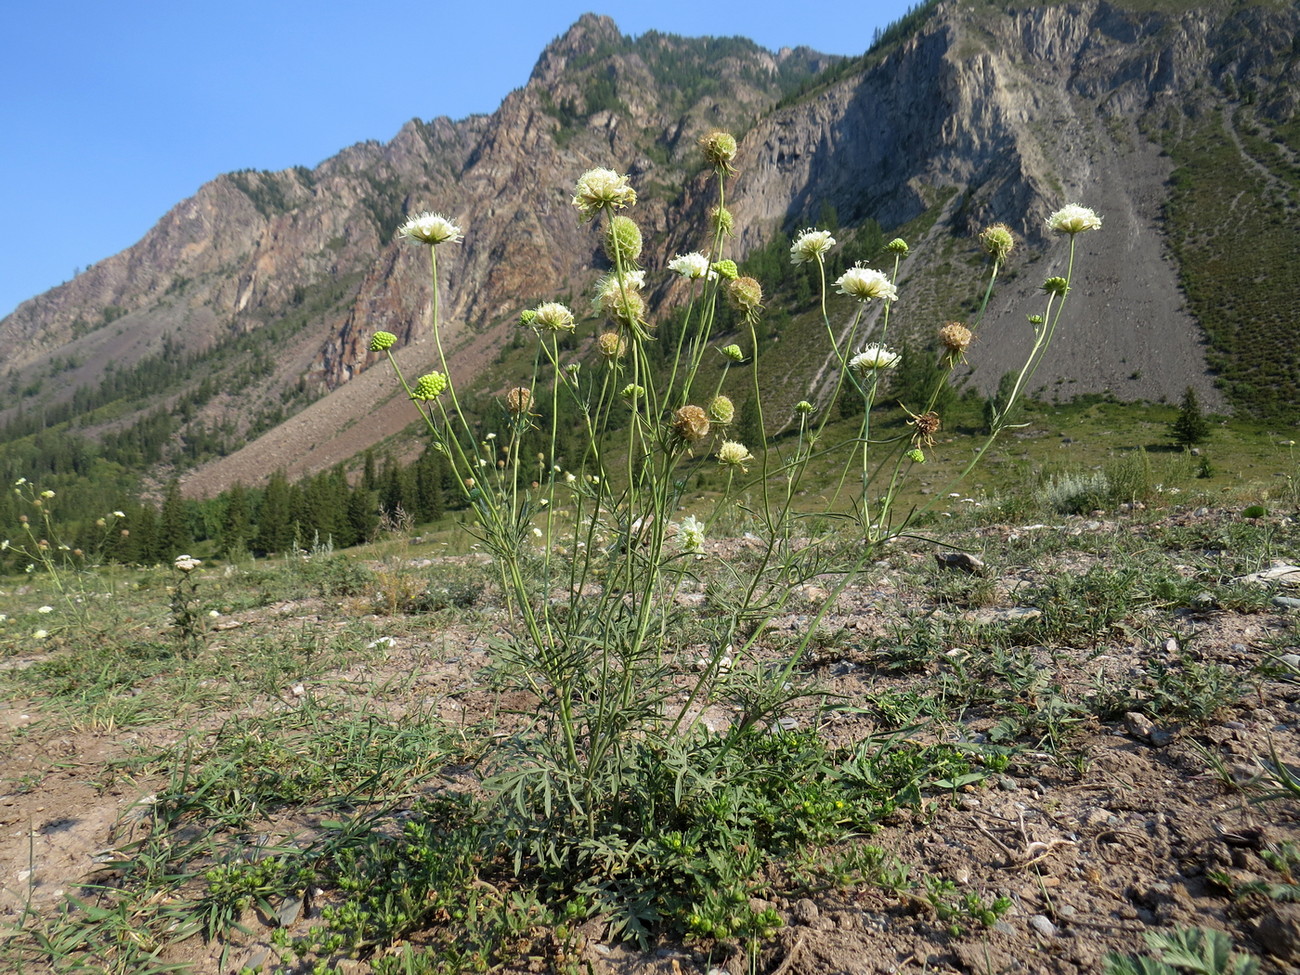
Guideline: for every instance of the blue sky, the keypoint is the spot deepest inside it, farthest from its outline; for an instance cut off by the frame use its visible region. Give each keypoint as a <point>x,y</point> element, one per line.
<point>113,112</point>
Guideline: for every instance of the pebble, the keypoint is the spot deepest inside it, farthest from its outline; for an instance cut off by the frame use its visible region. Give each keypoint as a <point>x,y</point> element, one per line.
<point>1066,911</point>
<point>1002,927</point>
<point>1291,660</point>
<point>804,911</point>
<point>1043,926</point>
<point>1140,726</point>
<point>1287,602</point>
<point>1007,783</point>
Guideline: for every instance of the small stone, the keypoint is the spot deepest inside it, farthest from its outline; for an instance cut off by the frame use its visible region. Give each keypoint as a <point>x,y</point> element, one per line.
<point>1278,931</point>
<point>288,912</point>
<point>1140,726</point>
<point>1286,602</point>
<point>804,911</point>
<point>1042,926</point>
<point>1204,600</point>
<point>1002,927</point>
<point>1007,784</point>
<point>1291,660</point>
<point>1096,816</point>
<point>1066,910</point>
<point>962,562</point>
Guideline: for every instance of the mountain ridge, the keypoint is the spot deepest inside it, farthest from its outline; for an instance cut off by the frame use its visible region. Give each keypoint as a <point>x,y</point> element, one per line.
<point>978,114</point>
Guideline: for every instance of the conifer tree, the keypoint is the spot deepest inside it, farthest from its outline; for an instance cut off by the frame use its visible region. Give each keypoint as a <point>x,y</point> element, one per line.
<point>236,521</point>
<point>274,521</point>
<point>174,534</point>
<point>1190,427</point>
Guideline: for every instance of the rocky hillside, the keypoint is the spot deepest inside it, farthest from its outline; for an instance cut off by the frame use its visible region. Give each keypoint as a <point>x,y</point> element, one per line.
<point>234,332</point>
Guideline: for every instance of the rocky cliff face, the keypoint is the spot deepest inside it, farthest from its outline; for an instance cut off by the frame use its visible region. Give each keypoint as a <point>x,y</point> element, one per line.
<point>984,113</point>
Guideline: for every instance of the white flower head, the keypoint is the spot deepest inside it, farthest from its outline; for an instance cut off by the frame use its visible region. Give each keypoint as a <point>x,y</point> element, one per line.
<point>873,357</point>
<point>691,534</point>
<point>186,563</point>
<point>1073,219</point>
<point>811,245</point>
<point>430,228</point>
<point>602,189</point>
<point>40,634</point>
<point>693,265</point>
<point>46,609</point>
<point>733,454</point>
<point>864,283</point>
<point>553,317</point>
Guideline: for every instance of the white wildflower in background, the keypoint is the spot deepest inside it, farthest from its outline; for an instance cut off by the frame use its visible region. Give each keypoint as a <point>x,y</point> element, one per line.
<point>40,634</point>
<point>811,245</point>
<point>602,189</point>
<point>693,265</point>
<point>46,609</point>
<point>1073,219</point>
<point>691,534</point>
<point>430,228</point>
<point>873,357</point>
<point>864,283</point>
<point>186,563</point>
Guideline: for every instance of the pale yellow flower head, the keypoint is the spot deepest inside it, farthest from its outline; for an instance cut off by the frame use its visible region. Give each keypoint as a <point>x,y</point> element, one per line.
<point>872,358</point>
<point>602,189</point>
<point>1073,219</point>
<point>429,228</point>
<point>734,454</point>
<point>811,245</point>
<point>865,283</point>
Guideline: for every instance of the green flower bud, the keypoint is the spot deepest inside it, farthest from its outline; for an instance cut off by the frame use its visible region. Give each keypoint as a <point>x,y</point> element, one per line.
<point>916,455</point>
<point>526,317</point>
<point>1056,286</point>
<point>1034,319</point>
<point>733,352</point>
<point>804,407</point>
<point>897,246</point>
<point>722,410</point>
<point>726,269</point>
<point>722,220</point>
<point>381,341</point>
<point>623,241</point>
<point>631,392</point>
<point>429,387</point>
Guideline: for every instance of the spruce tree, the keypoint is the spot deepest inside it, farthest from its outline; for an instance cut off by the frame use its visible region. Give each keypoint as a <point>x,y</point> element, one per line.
<point>274,522</point>
<point>174,535</point>
<point>1190,427</point>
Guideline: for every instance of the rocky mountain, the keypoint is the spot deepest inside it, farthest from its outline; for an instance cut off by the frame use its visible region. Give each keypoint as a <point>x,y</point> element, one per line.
<point>231,339</point>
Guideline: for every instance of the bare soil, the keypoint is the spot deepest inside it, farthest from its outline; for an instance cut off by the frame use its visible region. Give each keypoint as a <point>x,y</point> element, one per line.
<point>1136,833</point>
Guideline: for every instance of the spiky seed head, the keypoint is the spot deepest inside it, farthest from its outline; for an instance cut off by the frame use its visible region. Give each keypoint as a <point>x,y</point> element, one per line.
<point>691,424</point>
<point>998,241</point>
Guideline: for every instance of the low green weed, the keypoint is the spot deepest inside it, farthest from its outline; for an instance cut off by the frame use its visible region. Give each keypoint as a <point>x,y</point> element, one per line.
<point>1199,951</point>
